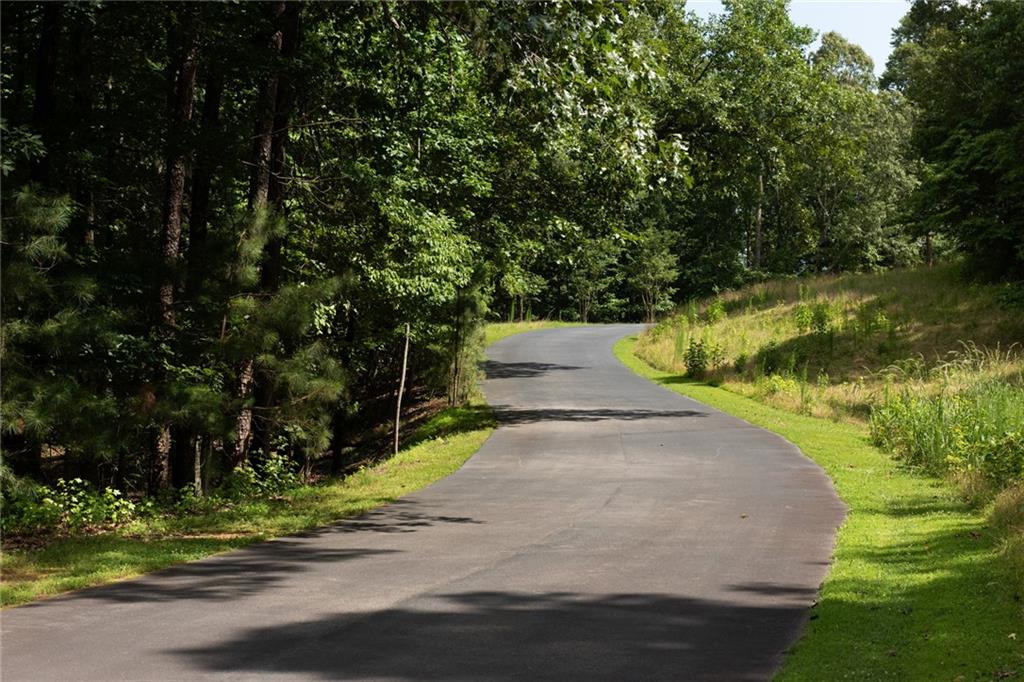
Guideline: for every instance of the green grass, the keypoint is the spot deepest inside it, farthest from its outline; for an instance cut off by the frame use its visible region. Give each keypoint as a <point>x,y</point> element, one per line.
<point>496,331</point>
<point>438,448</point>
<point>918,589</point>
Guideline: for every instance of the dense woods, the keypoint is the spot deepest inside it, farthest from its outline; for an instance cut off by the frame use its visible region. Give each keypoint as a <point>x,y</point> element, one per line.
<point>219,218</point>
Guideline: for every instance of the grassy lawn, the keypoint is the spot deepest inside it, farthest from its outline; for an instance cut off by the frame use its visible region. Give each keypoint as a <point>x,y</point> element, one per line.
<point>918,589</point>
<point>438,448</point>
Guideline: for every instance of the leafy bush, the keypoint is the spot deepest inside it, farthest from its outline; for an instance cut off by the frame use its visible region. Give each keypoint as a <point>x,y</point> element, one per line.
<point>71,506</point>
<point>741,362</point>
<point>871,319</point>
<point>696,358</point>
<point>715,311</point>
<point>977,430</point>
<point>822,318</point>
<point>701,355</point>
<point>1012,296</point>
<point>275,476</point>
<point>804,316</point>
<point>775,384</point>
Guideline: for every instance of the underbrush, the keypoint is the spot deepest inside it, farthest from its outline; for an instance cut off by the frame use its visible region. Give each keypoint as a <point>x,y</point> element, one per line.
<point>975,433</point>
<point>256,506</point>
<point>33,512</point>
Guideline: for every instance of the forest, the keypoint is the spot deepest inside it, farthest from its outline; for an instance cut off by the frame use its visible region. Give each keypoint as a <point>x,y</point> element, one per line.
<point>219,218</point>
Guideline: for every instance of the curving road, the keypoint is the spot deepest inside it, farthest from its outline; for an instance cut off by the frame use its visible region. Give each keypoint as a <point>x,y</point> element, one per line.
<point>609,529</point>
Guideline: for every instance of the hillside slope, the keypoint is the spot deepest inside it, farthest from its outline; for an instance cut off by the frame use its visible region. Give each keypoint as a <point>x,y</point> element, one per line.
<point>829,346</point>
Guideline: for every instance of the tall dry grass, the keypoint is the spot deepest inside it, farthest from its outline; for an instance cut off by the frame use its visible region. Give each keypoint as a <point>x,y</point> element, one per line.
<point>934,365</point>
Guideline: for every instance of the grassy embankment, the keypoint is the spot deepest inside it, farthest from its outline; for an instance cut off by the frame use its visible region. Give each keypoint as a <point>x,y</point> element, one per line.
<point>927,578</point>
<point>59,564</point>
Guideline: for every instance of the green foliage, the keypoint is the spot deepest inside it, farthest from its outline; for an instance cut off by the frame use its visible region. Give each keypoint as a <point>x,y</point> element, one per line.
<point>714,311</point>
<point>69,507</point>
<point>972,430</point>
<point>430,165</point>
<point>274,476</point>
<point>650,270</point>
<point>696,358</point>
<point>702,354</point>
<point>972,184</point>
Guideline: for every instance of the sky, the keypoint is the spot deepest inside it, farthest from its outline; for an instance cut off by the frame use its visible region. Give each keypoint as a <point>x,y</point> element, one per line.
<point>869,23</point>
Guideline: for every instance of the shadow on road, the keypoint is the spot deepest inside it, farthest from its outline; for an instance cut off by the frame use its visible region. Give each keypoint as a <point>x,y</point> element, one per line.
<point>515,415</point>
<point>522,370</point>
<point>251,570</point>
<point>502,635</point>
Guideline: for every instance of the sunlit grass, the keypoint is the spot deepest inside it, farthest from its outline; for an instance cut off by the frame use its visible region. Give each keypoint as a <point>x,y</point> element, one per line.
<point>883,328</point>
<point>920,587</point>
<point>496,331</point>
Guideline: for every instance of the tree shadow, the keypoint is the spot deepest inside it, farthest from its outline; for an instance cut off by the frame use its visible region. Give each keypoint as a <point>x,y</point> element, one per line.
<point>935,602</point>
<point>262,566</point>
<point>453,421</point>
<point>235,575</point>
<point>515,635</point>
<point>508,415</point>
<point>521,370</point>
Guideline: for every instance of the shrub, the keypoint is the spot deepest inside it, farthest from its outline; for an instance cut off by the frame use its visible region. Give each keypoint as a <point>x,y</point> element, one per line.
<point>871,319</point>
<point>697,358</point>
<point>775,384</point>
<point>741,362</point>
<point>275,476</point>
<point>804,317</point>
<point>71,506</point>
<point>822,318</point>
<point>715,311</point>
<point>977,430</point>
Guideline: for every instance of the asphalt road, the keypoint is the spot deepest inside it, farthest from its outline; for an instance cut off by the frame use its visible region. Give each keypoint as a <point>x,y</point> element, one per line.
<point>608,530</point>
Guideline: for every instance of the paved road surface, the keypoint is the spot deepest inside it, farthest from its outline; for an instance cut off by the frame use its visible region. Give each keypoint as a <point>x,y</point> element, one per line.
<point>609,530</point>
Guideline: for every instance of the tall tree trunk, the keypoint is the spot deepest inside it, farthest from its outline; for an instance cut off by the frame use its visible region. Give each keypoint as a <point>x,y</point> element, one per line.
<point>45,103</point>
<point>183,78</point>
<point>259,196</point>
<point>262,141</point>
<point>176,171</point>
<point>202,180</point>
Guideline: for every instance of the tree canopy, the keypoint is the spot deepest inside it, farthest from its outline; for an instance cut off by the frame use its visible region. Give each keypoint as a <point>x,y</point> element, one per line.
<point>218,218</point>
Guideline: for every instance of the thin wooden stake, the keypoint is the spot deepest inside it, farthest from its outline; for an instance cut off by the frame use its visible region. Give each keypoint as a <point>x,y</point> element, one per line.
<point>401,386</point>
<point>197,470</point>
